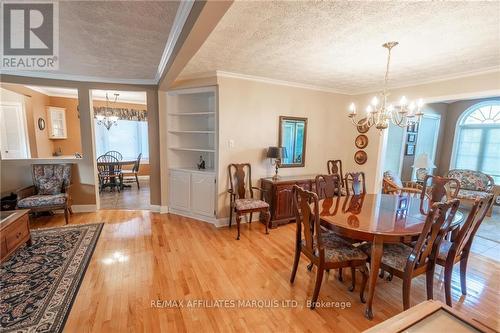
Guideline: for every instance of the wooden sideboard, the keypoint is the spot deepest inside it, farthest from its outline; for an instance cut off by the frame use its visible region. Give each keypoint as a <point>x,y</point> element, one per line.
<point>278,193</point>
<point>14,231</point>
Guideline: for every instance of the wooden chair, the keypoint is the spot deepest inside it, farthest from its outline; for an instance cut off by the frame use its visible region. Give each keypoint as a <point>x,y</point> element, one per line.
<point>240,203</point>
<point>334,167</point>
<point>51,190</point>
<point>392,184</point>
<point>115,154</point>
<point>323,248</point>
<point>328,186</point>
<point>407,262</point>
<point>127,174</point>
<point>108,171</point>
<point>457,250</point>
<point>438,189</point>
<point>355,183</point>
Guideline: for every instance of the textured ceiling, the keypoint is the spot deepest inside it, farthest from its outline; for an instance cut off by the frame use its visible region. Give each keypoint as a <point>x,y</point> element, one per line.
<point>121,40</point>
<point>338,44</point>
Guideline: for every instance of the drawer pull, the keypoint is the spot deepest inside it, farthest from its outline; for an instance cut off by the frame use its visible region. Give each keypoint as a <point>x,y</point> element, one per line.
<point>19,234</point>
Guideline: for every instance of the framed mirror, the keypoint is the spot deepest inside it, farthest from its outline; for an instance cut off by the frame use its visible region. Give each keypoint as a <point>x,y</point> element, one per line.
<point>292,136</point>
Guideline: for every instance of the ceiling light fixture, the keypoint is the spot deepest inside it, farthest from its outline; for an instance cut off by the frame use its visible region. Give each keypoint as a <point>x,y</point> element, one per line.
<point>379,112</point>
<point>107,119</point>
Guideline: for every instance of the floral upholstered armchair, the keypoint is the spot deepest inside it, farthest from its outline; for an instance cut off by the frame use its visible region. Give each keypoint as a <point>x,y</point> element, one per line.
<point>51,190</point>
<point>392,184</point>
<point>473,184</point>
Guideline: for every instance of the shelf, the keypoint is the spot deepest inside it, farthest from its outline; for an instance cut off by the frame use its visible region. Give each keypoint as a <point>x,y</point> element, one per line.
<point>193,132</point>
<point>194,149</point>
<point>191,113</point>
<point>188,169</point>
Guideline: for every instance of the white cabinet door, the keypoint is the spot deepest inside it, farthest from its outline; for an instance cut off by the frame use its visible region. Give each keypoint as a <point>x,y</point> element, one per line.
<point>203,194</point>
<point>179,189</point>
<point>13,138</point>
<point>57,123</point>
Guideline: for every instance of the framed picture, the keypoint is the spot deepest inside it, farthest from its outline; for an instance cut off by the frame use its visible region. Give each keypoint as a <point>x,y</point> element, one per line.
<point>410,150</point>
<point>412,137</point>
<point>361,141</point>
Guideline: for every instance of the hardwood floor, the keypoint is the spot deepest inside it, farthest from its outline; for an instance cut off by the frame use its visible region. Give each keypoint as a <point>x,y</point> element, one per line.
<point>142,257</point>
<point>128,198</point>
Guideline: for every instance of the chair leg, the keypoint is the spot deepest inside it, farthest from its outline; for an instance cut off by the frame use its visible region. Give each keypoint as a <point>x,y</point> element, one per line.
<point>429,283</point>
<point>365,273</point>
<point>406,292</point>
<point>137,181</point>
<point>268,220</point>
<point>70,210</point>
<point>448,272</point>
<point>340,275</point>
<point>250,221</point>
<point>463,275</point>
<point>353,278</point>
<point>66,215</point>
<point>317,285</point>
<point>230,214</point>
<point>295,263</point>
<point>238,221</point>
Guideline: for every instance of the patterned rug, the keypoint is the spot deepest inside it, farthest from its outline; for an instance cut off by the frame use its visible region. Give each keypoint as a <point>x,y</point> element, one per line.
<point>39,283</point>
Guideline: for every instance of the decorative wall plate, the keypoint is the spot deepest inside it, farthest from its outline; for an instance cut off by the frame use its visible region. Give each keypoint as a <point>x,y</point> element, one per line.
<point>361,141</point>
<point>362,128</point>
<point>41,124</point>
<point>360,157</point>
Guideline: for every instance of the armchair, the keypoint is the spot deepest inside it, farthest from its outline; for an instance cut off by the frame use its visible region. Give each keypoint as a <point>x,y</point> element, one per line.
<point>51,190</point>
<point>392,184</point>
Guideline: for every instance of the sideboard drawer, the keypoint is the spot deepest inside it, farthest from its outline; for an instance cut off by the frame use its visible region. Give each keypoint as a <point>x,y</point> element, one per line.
<point>16,233</point>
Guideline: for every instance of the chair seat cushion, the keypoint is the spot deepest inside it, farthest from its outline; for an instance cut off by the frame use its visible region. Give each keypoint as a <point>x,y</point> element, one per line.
<point>394,256</point>
<point>444,248</point>
<point>246,204</point>
<point>42,200</point>
<point>338,249</point>
<point>472,195</point>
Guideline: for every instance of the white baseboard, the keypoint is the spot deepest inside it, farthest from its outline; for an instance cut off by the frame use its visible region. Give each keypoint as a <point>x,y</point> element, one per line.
<point>195,216</point>
<point>84,208</point>
<point>158,209</point>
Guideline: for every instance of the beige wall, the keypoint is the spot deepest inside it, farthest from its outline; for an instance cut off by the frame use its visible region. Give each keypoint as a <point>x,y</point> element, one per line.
<point>73,143</point>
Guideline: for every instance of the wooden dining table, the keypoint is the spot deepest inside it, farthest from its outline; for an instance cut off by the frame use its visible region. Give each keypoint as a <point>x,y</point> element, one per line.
<point>379,219</point>
<point>118,163</point>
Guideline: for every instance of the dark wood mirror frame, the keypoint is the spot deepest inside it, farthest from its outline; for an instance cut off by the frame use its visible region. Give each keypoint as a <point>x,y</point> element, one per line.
<point>304,120</point>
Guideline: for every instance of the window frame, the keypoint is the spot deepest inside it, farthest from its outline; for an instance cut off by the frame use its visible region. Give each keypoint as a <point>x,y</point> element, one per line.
<point>460,125</point>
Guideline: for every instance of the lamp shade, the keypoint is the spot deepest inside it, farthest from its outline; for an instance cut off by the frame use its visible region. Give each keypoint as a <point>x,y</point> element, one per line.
<point>423,161</point>
<point>276,152</point>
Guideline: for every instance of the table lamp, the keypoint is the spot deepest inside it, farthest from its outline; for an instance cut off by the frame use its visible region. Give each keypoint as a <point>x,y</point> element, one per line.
<point>276,153</point>
<point>423,163</point>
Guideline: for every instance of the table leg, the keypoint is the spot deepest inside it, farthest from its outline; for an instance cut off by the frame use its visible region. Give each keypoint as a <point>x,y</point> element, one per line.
<point>376,257</point>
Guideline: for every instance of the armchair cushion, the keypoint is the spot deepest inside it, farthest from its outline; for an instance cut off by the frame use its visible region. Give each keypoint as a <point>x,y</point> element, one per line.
<point>50,186</point>
<point>43,200</point>
<point>471,195</point>
<point>390,176</point>
<point>472,180</point>
<point>250,203</point>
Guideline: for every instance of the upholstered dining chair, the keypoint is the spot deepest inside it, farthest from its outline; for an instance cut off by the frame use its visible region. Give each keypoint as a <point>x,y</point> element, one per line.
<point>334,167</point>
<point>392,184</point>
<point>407,262</point>
<point>325,249</point>
<point>458,249</point>
<point>355,183</point>
<point>109,172</point>
<point>242,200</point>
<point>437,189</point>
<point>115,154</point>
<point>50,190</point>
<point>134,172</point>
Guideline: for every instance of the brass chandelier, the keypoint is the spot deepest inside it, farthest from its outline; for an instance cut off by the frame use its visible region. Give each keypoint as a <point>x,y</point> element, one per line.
<point>107,119</point>
<point>379,113</point>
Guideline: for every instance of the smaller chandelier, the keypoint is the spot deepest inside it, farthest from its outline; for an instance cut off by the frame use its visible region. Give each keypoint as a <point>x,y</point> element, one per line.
<point>379,113</point>
<point>107,119</point>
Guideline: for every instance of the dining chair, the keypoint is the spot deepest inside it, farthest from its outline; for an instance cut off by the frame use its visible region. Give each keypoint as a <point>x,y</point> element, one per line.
<point>334,167</point>
<point>438,189</point>
<point>325,249</point>
<point>457,250</point>
<point>242,199</point>
<point>328,186</point>
<point>408,262</point>
<point>115,154</point>
<point>355,183</point>
<point>108,171</point>
<point>392,184</point>
<point>134,172</point>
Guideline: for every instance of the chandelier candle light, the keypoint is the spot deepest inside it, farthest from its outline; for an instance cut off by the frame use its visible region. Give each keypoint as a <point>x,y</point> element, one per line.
<point>108,120</point>
<point>380,112</point>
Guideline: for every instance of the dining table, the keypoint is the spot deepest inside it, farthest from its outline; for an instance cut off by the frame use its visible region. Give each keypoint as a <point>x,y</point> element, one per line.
<point>379,219</point>
<point>110,166</point>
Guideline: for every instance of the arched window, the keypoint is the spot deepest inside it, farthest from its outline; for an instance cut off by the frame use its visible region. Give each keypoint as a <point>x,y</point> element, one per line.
<point>477,142</point>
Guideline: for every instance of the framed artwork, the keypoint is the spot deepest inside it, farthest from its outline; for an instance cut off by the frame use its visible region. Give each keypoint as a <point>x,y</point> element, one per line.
<point>41,124</point>
<point>360,157</point>
<point>412,137</point>
<point>361,141</point>
<point>410,150</point>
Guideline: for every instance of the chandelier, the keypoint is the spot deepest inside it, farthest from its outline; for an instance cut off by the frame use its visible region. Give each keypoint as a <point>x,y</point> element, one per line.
<point>107,119</point>
<point>380,112</point>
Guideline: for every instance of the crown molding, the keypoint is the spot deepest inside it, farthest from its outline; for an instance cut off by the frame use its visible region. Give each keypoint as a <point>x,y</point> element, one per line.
<point>79,78</point>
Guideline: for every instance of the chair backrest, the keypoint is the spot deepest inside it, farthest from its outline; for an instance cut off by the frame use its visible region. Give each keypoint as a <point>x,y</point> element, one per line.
<point>240,176</point>
<point>137,163</point>
<point>430,238</point>
<point>355,183</point>
<point>328,186</point>
<point>61,172</point>
<point>438,189</point>
<point>472,180</point>
<point>334,167</point>
<point>468,229</point>
<point>115,154</point>
<point>307,220</point>
<point>109,165</point>
<point>391,182</point>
